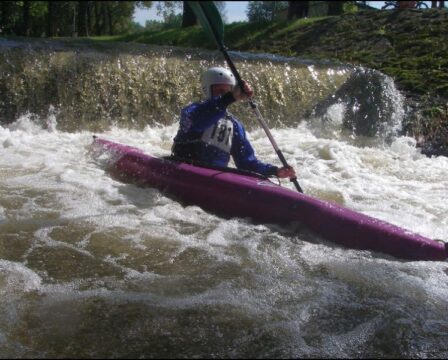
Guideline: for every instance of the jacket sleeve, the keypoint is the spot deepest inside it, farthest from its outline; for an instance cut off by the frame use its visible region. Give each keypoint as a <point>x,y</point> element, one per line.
<point>244,156</point>
<point>199,116</point>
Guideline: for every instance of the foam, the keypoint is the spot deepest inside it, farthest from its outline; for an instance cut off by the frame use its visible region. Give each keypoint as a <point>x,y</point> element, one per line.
<point>17,278</point>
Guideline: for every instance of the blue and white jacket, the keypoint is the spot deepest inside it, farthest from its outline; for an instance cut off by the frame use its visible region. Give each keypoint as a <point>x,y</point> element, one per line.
<point>208,134</point>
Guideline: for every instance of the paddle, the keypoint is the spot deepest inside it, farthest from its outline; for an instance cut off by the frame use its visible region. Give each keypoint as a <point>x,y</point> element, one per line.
<point>210,19</point>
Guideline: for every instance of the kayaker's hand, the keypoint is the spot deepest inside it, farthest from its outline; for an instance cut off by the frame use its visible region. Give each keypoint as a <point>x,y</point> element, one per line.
<point>240,95</point>
<point>286,172</point>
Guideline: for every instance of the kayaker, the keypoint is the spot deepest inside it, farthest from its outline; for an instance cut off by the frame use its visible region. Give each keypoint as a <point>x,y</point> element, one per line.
<point>209,134</point>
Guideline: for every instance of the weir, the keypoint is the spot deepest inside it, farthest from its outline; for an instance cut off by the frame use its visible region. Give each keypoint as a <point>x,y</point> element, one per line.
<point>89,86</point>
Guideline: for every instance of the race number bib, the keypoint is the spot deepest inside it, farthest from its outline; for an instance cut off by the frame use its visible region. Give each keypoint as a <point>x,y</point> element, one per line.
<point>220,135</point>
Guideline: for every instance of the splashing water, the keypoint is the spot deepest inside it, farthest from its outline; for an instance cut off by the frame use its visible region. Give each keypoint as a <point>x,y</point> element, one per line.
<point>94,267</point>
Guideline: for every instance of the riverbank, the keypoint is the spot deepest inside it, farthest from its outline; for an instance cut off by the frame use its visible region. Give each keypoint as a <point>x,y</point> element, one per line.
<point>408,45</point>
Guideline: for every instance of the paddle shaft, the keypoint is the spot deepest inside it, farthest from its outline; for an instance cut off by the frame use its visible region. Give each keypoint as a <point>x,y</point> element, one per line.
<point>263,124</point>
<point>252,104</point>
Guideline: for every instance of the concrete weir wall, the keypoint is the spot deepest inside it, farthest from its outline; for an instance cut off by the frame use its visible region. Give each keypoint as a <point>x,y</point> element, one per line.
<point>93,86</point>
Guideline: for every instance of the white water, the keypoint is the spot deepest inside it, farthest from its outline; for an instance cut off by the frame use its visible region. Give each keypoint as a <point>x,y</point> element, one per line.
<point>90,266</point>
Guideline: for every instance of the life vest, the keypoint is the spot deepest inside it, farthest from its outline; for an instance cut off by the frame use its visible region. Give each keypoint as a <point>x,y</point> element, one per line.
<point>218,137</point>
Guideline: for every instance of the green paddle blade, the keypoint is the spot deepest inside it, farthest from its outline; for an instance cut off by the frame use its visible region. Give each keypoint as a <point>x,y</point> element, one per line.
<point>210,19</point>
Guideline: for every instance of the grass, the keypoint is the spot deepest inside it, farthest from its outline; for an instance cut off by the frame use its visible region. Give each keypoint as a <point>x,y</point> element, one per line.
<point>236,34</point>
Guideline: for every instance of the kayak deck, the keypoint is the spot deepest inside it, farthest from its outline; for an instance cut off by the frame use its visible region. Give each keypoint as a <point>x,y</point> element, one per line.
<point>242,195</point>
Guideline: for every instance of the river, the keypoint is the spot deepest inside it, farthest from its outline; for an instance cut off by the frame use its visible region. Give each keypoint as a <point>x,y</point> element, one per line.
<point>94,267</point>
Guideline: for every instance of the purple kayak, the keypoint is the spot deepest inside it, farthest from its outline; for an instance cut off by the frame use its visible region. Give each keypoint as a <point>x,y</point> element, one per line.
<point>242,195</point>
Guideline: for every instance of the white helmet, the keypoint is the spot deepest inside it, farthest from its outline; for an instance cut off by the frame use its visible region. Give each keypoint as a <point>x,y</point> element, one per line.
<point>216,75</point>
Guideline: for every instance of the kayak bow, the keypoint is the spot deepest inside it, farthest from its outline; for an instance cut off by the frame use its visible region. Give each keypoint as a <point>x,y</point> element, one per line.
<point>242,195</point>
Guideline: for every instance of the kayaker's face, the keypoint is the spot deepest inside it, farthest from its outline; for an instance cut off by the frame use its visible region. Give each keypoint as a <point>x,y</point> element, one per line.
<point>221,89</point>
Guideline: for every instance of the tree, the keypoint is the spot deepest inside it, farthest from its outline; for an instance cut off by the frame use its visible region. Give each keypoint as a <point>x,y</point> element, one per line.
<point>221,6</point>
<point>256,12</point>
<point>61,18</point>
<point>276,6</point>
<point>26,25</point>
<point>38,18</point>
<point>434,4</point>
<point>83,7</point>
<point>173,21</point>
<point>167,9</point>
<point>143,4</point>
<point>135,27</point>
<point>297,9</point>
<point>68,18</point>
<point>120,16</point>
<point>188,16</point>
<point>51,20</point>
<point>10,16</point>
<point>111,17</point>
<point>264,11</point>
<point>335,7</point>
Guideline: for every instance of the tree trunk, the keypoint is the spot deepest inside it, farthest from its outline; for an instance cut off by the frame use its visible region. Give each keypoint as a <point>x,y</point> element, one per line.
<point>74,23</point>
<point>110,18</point>
<point>335,7</point>
<point>406,4</point>
<point>297,9</point>
<point>26,26</point>
<point>188,16</point>
<point>104,27</point>
<point>82,18</point>
<point>89,18</point>
<point>5,24</point>
<point>97,5</point>
<point>50,19</point>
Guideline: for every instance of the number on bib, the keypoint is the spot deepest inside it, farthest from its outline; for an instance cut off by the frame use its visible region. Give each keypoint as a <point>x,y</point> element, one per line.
<point>220,135</point>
